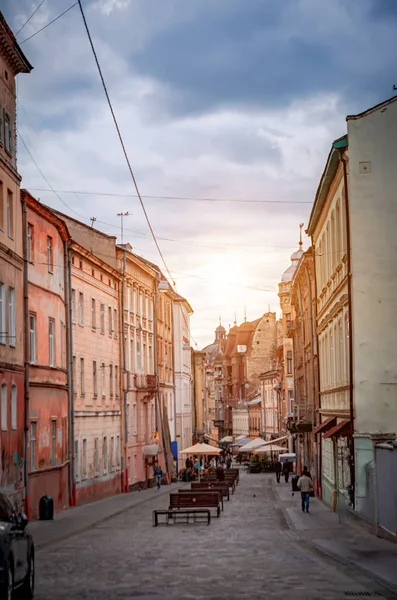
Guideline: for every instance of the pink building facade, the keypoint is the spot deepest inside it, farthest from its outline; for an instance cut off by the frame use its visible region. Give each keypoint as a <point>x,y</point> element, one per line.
<point>12,471</point>
<point>46,252</point>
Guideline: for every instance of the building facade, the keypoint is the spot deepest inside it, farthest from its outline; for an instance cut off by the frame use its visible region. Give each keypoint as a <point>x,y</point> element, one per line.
<point>240,419</point>
<point>13,474</point>
<point>255,417</point>
<point>305,359</point>
<point>270,406</point>
<point>183,434</point>
<point>48,376</point>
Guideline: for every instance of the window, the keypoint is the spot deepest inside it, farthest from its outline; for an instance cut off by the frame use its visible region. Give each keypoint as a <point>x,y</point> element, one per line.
<point>96,457</point>
<point>132,354</point>
<point>30,243</point>
<point>7,133</point>
<point>150,368</point>
<point>82,377</point>
<point>138,356</point>
<point>94,378</point>
<point>14,399</point>
<point>74,376</point>
<point>32,338</point>
<point>50,259</point>
<point>118,451</point>
<point>33,445</point>
<point>111,454</point>
<point>111,380</point>
<point>73,306</point>
<point>93,313</point>
<point>84,459</point>
<point>3,331</point>
<point>81,308</point>
<point>1,125</point>
<point>10,214</point>
<point>53,442</point>
<point>1,193</point>
<point>11,317</point>
<point>102,318</point>
<point>116,381</point>
<point>103,373</point>
<point>115,326</point>
<point>289,362</point>
<point>110,320</point>
<point>51,341</point>
<point>105,454</point>
<point>4,406</point>
<point>76,461</point>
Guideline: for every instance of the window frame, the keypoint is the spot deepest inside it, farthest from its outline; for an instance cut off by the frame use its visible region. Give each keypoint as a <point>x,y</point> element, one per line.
<point>7,133</point>
<point>10,214</point>
<point>4,406</point>
<point>82,376</point>
<point>14,407</point>
<point>30,238</point>
<point>32,336</point>
<point>51,342</point>
<point>50,255</point>
<point>12,334</point>
<point>93,313</point>
<point>33,445</point>
<point>53,442</point>
<point>102,317</point>
<point>95,378</point>
<point>3,314</point>
<point>81,309</point>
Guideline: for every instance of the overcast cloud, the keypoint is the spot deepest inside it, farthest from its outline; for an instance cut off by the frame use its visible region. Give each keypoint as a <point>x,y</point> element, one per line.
<point>217,99</point>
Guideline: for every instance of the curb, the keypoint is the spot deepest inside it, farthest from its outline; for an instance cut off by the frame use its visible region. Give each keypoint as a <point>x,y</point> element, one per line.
<point>354,566</point>
<point>66,536</point>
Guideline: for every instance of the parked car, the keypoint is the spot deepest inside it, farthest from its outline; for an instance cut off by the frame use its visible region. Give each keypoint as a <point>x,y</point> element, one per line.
<point>16,554</point>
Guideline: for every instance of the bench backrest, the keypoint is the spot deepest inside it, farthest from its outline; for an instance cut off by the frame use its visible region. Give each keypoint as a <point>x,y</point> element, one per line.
<point>194,500</point>
<point>209,485</point>
<point>202,491</point>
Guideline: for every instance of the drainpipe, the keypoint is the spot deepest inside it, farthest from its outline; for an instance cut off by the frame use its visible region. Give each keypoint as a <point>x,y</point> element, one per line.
<point>351,373</point>
<point>319,444</point>
<point>70,376</point>
<point>124,424</point>
<point>26,317</point>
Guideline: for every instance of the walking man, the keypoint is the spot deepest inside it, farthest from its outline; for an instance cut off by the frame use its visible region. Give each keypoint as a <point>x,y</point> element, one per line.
<point>278,468</point>
<point>305,485</point>
<point>158,471</point>
<point>286,471</point>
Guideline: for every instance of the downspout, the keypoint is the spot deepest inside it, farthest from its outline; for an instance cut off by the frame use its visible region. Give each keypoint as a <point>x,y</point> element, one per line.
<point>319,444</point>
<point>69,342</point>
<point>27,390</point>
<point>349,302</point>
<point>125,386</point>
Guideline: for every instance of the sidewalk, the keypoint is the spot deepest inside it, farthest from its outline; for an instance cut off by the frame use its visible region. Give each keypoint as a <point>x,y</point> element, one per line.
<point>335,535</point>
<point>78,519</point>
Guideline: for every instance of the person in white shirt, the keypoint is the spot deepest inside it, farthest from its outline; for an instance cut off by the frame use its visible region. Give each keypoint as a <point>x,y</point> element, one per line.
<point>305,485</point>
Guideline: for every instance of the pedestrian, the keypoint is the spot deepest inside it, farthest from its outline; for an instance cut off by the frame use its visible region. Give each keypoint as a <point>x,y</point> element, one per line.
<point>286,471</point>
<point>277,468</point>
<point>189,462</point>
<point>159,474</point>
<point>228,461</point>
<point>305,486</point>
<point>220,473</point>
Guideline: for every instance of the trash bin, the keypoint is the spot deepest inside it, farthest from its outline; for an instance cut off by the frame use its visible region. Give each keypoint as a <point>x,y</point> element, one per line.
<point>46,508</point>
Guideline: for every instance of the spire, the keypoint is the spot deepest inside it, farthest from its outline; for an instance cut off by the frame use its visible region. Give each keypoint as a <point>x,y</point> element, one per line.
<point>245,314</point>
<point>235,318</point>
<point>300,235</point>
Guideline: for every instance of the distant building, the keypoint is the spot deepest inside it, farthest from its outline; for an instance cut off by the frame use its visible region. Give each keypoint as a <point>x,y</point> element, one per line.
<point>213,398</point>
<point>270,407</point>
<point>14,467</point>
<point>240,420</point>
<point>255,417</point>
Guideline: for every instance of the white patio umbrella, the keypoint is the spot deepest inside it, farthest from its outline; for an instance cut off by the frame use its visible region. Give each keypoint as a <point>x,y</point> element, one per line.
<point>202,449</point>
<point>252,445</point>
<point>269,448</point>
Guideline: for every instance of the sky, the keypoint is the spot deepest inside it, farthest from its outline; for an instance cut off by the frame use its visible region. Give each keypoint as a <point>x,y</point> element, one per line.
<point>234,103</point>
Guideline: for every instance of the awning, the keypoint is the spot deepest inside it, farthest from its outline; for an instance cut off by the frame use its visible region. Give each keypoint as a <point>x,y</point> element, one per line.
<point>242,441</point>
<point>276,441</point>
<point>226,440</point>
<point>151,449</point>
<point>342,429</point>
<point>325,426</point>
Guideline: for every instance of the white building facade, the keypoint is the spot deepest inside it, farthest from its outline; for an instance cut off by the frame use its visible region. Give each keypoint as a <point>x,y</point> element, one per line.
<point>240,420</point>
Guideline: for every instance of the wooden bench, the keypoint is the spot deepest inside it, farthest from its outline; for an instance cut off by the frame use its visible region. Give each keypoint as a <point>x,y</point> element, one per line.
<point>199,500</point>
<point>236,472</point>
<point>192,515</point>
<point>212,485</point>
<point>230,480</point>
<point>194,492</point>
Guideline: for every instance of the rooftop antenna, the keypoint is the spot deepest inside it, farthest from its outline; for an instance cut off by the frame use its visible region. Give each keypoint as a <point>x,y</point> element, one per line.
<point>300,235</point>
<point>245,314</point>
<point>122,215</point>
<point>92,219</point>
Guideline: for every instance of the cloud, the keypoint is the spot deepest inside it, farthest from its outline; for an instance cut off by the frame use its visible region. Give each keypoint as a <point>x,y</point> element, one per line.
<point>229,99</point>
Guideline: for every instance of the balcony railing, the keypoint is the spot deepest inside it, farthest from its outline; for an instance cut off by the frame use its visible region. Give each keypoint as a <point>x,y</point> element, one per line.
<point>146,382</point>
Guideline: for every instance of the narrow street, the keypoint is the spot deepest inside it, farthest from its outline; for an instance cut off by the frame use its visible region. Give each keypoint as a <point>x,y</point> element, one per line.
<point>258,548</point>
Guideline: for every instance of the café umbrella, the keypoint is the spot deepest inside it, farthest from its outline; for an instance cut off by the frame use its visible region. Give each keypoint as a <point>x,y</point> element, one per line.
<point>202,449</point>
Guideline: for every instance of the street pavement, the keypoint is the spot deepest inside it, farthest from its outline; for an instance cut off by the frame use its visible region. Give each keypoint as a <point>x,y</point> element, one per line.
<point>262,546</point>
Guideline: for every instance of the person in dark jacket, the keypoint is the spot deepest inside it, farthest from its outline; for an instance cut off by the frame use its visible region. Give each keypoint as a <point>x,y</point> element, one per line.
<point>286,471</point>
<point>220,473</point>
<point>278,468</point>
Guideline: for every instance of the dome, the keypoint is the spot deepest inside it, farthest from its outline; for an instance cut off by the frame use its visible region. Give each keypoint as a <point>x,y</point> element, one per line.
<point>295,258</point>
<point>221,328</point>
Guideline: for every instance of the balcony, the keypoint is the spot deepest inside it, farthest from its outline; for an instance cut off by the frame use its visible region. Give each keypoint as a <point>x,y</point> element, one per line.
<point>146,382</point>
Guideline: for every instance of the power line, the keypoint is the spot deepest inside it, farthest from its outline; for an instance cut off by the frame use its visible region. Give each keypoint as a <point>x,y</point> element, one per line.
<point>50,23</point>
<point>31,16</point>
<point>184,198</point>
<point>121,138</point>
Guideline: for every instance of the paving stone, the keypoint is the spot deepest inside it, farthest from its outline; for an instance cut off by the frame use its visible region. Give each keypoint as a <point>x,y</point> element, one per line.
<point>250,552</point>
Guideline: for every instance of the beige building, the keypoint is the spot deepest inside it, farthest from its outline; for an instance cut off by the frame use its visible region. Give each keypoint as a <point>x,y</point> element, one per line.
<point>240,420</point>
<point>96,285</point>
<point>270,405</point>
<point>14,466</point>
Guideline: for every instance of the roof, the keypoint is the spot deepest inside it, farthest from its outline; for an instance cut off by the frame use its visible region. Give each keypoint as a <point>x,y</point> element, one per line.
<point>257,400</point>
<point>47,214</point>
<point>268,374</point>
<point>368,111</point>
<point>295,258</point>
<point>64,216</point>
<point>326,180</point>
<point>10,49</point>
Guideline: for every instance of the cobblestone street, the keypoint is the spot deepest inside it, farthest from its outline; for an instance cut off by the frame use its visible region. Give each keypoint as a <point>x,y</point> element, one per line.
<point>251,551</point>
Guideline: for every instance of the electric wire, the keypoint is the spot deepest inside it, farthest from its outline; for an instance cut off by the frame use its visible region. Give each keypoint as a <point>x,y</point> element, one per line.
<point>121,139</point>
<point>48,24</point>
<point>31,16</point>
